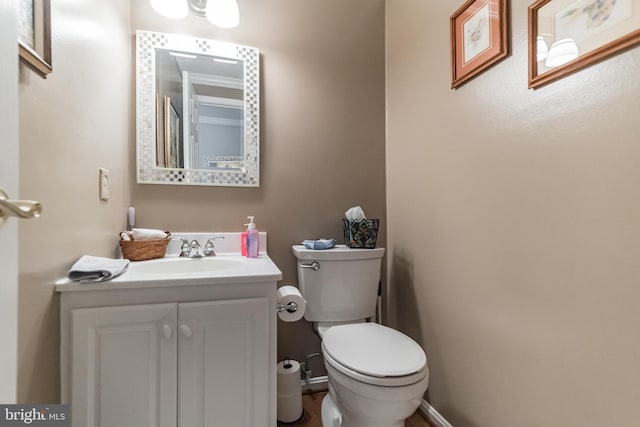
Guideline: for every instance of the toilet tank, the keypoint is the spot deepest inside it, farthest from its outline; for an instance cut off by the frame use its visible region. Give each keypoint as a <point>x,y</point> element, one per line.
<point>344,287</point>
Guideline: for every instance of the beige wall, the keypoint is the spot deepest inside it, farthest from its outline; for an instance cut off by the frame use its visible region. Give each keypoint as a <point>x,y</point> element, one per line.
<point>322,136</point>
<point>513,227</point>
<point>71,124</point>
<point>322,131</point>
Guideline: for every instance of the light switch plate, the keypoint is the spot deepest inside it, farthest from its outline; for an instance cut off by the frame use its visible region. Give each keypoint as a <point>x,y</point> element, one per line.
<point>103,185</point>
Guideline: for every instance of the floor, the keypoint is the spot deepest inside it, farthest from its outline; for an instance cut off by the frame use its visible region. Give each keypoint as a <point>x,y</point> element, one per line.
<point>311,417</point>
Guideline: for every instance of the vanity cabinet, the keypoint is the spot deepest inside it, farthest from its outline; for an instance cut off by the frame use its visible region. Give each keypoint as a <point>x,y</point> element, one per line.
<point>195,352</point>
<point>150,365</point>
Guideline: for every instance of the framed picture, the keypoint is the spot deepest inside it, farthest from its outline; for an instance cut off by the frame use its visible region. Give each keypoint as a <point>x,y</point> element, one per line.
<point>568,35</point>
<point>34,35</point>
<point>478,38</point>
<point>172,156</point>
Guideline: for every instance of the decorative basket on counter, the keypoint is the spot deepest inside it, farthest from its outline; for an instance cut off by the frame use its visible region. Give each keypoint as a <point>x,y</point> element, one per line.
<point>360,234</point>
<point>140,250</point>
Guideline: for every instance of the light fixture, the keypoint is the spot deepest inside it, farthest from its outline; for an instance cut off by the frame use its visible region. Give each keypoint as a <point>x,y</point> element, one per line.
<point>541,49</point>
<point>221,13</point>
<point>561,52</point>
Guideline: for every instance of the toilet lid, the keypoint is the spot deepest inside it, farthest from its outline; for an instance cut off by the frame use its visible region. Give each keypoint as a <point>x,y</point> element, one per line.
<point>374,350</point>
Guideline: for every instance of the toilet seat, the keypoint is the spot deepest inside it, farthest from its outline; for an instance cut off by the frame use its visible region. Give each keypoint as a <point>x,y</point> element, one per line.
<point>374,354</point>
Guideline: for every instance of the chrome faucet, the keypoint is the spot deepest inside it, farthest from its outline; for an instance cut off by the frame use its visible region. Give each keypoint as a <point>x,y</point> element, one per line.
<point>190,250</point>
<point>194,250</point>
<point>209,249</point>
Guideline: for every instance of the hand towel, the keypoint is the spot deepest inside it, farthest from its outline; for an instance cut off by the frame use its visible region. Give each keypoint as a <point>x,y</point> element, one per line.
<point>148,233</point>
<point>97,269</point>
<point>319,244</point>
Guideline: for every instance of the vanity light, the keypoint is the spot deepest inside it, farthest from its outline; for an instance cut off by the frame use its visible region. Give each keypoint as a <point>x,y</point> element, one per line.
<point>561,52</point>
<point>541,49</point>
<point>221,13</point>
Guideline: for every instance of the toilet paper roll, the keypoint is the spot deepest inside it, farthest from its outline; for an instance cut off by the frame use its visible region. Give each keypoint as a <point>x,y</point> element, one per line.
<point>289,391</point>
<point>287,294</point>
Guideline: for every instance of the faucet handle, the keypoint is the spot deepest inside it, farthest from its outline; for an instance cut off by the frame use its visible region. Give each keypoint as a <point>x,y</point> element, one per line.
<point>209,247</point>
<point>184,246</point>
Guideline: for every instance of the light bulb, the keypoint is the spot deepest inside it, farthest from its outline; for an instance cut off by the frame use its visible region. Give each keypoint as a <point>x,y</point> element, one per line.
<point>561,52</point>
<point>174,9</point>
<point>223,13</point>
<point>541,49</point>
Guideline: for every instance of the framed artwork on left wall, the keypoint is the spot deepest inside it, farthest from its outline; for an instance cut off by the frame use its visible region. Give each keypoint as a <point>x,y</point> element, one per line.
<point>34,35</point>
<point>479,38</point>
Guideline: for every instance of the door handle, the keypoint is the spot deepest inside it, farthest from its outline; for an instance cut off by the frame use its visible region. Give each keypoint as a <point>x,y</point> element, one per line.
<point>186,330</point>
<point>166,331</point>
<point>18,208</point>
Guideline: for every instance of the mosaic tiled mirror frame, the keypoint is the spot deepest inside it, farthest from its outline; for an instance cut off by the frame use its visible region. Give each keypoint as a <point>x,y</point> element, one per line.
<point>147,170</point>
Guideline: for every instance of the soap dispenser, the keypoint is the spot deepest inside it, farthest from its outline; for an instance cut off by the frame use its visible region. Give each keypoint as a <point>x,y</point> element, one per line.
<point>252,239</point>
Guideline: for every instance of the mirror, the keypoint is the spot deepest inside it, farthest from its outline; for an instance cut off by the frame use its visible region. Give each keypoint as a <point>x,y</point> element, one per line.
<point>568,35</point>
<point>197,111</point>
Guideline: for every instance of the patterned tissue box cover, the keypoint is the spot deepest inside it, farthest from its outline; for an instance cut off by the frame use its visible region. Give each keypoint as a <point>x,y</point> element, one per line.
<point>360,234</point>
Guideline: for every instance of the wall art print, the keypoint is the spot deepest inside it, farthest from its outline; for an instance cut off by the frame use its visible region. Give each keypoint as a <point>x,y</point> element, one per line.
<point>478,38</point>
<point>598,29</point>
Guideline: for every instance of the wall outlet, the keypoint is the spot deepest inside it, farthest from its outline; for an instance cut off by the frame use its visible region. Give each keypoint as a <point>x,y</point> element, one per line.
<point>103,184</point>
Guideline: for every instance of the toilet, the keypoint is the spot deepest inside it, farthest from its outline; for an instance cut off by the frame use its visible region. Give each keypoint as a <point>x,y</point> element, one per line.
<point>377,375</point>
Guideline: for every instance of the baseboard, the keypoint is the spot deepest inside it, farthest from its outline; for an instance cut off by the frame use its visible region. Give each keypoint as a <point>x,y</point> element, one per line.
<point>315,384</point>
<point>433,416</point>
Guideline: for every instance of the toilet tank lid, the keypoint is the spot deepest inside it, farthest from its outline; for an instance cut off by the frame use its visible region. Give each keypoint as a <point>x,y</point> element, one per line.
<point>337,253</point>
<point>375,350</point>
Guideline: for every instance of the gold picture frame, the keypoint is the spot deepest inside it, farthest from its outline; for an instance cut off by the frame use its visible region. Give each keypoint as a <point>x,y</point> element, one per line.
<point>594,30</point>
<point>479,38</point>
<point>34,35</point>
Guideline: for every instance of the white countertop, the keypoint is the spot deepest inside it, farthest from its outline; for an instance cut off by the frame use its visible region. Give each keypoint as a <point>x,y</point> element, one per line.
<point>261,269</point>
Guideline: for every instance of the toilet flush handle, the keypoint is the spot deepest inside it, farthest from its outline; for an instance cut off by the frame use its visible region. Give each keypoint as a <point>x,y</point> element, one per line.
<point>315,266</point>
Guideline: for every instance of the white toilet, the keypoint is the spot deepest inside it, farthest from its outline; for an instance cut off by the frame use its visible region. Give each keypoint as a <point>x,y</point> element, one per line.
<point>377,375</point>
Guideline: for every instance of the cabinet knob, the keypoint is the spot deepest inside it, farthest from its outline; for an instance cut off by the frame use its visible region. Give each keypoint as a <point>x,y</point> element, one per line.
<point>186,331</point>
<point>166,331</point>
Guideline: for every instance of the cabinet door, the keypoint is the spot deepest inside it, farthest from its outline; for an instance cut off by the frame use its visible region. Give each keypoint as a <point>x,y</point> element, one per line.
<point>224,363</point>
<point>124,366</point>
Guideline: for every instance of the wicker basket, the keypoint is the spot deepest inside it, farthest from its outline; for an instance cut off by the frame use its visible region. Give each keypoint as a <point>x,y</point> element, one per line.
<point>140,250</point>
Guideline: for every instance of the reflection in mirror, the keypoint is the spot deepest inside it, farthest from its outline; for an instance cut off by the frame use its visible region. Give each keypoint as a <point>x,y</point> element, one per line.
<point>198,108</point>
<point>567,35</point>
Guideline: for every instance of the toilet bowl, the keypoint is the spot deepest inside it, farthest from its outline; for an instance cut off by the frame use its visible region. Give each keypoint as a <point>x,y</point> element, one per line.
<point>377,376</point>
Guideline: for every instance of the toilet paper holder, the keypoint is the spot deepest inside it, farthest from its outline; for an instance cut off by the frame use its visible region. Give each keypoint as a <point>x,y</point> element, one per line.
<point>290,307</point>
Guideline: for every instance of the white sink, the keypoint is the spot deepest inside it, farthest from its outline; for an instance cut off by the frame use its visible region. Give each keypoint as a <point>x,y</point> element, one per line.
<point>227,268</point>
<point>182,266</point>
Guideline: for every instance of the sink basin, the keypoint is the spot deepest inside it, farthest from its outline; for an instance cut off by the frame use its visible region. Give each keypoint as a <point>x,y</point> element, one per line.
<point>223,271</point>
<point>184,266</point>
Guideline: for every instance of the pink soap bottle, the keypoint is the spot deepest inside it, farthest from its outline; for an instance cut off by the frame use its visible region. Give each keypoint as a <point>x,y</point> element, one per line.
<point>243,241</point>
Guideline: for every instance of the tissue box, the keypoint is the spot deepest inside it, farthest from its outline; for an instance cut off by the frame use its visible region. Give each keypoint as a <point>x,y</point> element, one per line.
<point>360,234</point>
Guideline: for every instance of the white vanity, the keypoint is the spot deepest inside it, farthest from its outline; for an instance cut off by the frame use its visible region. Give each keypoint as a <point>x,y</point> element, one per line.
<point>173,342</point>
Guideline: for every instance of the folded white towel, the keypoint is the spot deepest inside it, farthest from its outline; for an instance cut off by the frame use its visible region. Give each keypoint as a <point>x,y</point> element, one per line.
<point>148,233</point>
<point>97,269</point>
